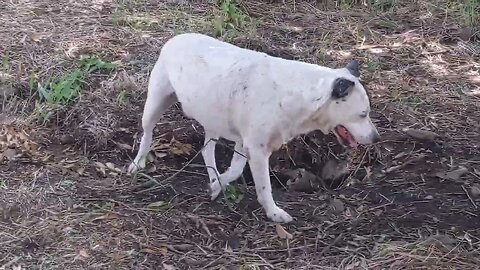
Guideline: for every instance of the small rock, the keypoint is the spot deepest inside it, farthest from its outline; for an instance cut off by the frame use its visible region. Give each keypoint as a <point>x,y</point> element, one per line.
<point>429,197</point>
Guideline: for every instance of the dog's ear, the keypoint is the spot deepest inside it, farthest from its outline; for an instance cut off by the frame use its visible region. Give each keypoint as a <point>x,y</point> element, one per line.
<point>341,87</point>
<point>353,67</point>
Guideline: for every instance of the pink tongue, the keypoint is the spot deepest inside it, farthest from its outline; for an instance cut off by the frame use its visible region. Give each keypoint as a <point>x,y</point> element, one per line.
<point>343,132</point>
<point>352,142</point>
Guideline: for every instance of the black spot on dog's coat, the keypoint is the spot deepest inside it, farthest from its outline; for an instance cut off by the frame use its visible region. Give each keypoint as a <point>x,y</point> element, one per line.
<point>341,87</point>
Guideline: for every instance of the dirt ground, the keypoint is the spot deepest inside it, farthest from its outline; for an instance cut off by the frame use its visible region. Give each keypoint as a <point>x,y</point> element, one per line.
<point>405,203</point>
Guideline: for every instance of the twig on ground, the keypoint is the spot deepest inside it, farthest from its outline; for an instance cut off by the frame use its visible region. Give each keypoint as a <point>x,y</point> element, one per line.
<point>155,187</point>
<point>325,249</point>
<point>469,197</point>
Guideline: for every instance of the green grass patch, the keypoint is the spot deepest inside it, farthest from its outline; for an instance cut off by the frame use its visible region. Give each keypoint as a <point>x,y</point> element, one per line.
<point>65,89</point>
<point>231,20</point>
<point>467,12</point>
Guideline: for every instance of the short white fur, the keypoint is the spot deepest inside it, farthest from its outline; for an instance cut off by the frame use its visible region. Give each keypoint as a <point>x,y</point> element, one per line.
<point>255,100</point>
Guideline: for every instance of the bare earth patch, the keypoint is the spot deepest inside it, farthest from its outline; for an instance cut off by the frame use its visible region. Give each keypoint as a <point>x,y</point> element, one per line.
<point>410,202</point>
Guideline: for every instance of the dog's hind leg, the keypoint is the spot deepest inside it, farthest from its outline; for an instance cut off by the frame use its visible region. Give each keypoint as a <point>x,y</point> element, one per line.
<point>160,96</point>
<point>235,170</point>
<point>208,153</point>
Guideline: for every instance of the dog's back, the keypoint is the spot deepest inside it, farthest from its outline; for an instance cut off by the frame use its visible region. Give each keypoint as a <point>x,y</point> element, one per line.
<point>233,84</point>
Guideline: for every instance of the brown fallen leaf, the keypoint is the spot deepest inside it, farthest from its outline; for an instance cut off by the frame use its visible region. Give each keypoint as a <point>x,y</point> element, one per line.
<point>124,146</point>
<point>178,148</point>
<point>107,216</point>
<point>81,172</point>
<point>148,250</point>
<point>454,175</point>
<point>83,253</point>
<point>282,233</point>
<point>175,147</point>
<point>101,168</point>
<point>160,154</point>
<point>36,37</point>
<point>421,134</point>
<point>163,251</point>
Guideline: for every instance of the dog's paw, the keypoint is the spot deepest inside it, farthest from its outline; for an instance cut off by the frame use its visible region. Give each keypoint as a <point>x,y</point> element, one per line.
<point>215,188</point>
<point>133,168</point>
<point>279,215</point>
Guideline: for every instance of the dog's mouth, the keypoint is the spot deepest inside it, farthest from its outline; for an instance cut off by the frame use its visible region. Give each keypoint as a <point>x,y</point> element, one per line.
<point>344,136</point>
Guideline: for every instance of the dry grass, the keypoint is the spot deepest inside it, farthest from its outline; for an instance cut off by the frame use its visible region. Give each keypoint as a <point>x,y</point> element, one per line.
<point>64,203</point>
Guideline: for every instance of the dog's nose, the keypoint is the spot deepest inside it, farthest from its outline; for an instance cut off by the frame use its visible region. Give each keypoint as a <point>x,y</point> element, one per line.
<point>375,137</point>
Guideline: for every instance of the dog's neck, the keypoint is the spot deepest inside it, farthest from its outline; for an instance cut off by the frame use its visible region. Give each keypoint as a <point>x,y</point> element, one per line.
<point>304,116</point>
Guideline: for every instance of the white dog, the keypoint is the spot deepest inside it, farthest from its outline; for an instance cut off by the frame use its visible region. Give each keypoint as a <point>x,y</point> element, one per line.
<point>258,101</point>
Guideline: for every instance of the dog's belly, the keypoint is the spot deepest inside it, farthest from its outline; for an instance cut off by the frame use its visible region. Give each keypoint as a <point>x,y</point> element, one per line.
<point>215,117</point>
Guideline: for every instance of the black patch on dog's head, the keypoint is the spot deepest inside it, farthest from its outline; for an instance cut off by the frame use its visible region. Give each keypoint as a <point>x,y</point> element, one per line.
<point>341,88</point>
<point>353,67</point>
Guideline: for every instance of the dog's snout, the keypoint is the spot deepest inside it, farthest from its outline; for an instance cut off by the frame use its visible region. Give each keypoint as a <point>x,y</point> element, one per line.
<point>375,137</point>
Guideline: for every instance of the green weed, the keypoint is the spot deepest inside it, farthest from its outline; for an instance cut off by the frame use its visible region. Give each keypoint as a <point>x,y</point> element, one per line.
<point>411,101</point>
<point>67,185</point>
<point>63,90</point>
<point>42,113</point>
<point>231,20</point>
<point>471,12</point>
<point>468,12</point>
<point>121,97</point>
<point>372,67</point>
<point>159,206</point>
<point>141,21</point>
<point>66,89</point>
<point>383,5</point>
<point>231,194</point>
<point>90,64</point>
<point>32,83</point>
<point>320,56</point>
<point>387,23</point>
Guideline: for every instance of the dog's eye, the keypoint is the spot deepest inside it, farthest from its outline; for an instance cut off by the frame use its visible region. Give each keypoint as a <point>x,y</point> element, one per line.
<point>364,115</point>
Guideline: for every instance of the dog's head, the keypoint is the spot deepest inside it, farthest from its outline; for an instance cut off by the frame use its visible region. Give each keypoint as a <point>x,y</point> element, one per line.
<point>348,110</point>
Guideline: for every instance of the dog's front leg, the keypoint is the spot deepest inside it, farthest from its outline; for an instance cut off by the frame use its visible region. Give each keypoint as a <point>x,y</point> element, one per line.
<point>258,161</point>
